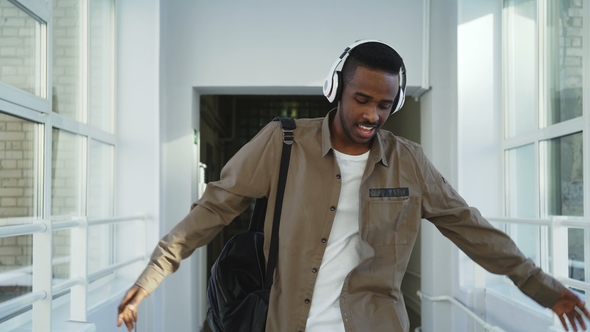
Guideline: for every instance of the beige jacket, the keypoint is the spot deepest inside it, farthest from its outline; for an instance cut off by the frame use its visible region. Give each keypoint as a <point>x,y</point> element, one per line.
<point>399,187</point>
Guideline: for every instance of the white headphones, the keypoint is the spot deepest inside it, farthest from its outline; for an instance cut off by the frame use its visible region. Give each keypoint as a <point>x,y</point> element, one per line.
<point>334,78</point>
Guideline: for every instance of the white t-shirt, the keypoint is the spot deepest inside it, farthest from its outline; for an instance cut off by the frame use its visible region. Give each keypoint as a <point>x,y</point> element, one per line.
<point>342,251</point>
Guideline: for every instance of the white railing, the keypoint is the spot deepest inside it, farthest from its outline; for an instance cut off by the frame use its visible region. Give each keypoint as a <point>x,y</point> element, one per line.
<point>12,306</point>
<point>41,270</point>
<point>558,237</point>
<point>445,298</point>
<point>18,230</point>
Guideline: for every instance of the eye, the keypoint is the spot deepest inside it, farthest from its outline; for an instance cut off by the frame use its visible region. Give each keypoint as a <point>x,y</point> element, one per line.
<point>361,100</point>
<point>385,106</point>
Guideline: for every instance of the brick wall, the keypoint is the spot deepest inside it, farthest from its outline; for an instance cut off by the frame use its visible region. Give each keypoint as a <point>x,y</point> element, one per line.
<point>99,108</point>
<point>17,47</point>
<point>66,193</point>
<point>17,137</point>
<point>16,188</point>
<point>17,176</point>
<point>567,59</point>
<point>66,59</point>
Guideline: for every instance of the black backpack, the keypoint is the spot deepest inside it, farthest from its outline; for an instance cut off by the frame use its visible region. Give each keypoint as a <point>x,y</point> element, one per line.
<point>239,287</point>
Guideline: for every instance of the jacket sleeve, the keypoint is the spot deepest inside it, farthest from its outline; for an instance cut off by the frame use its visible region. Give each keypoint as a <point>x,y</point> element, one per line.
<point>478,239</point>
<point>246,176</point>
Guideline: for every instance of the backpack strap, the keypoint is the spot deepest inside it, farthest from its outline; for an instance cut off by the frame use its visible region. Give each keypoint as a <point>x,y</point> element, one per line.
<point>288,125</point>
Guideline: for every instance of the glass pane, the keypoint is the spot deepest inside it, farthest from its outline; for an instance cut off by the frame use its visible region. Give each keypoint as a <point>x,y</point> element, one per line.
<point>16,266</point>
<point>101,64</point>
<point>19,46</point>
<point>521,182</point>
<point>521,199</point>
<point>100,248</point>
<point>100,180</point>
<point>576,254</point>
<point>521,65</point>
<point>68,165</point>
<point>527,237</point>
<point>18,173</point>
<point>67,88</point>
<point>61,255</point>
<point>565,50</point>
<point>565,172</point>
<point>100,204</point>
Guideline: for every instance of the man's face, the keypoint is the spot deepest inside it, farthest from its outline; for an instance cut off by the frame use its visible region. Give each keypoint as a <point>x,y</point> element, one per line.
<point>366,103</point>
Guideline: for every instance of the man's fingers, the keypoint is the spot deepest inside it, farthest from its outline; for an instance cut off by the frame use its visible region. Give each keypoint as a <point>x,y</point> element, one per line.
<point>129,305</point>
<point>563,322</point>
<point>572,318</point>
<point>129,319</point>
<point>130,294</point>
<point>132,307</point>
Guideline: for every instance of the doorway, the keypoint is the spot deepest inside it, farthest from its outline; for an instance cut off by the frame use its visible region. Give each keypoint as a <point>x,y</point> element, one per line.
<point>230,121</point>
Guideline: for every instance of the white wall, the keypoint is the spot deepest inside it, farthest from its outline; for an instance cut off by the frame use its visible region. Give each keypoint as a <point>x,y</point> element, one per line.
<point>439,137</point>
<point>274,44</point>
<point>138,152</point>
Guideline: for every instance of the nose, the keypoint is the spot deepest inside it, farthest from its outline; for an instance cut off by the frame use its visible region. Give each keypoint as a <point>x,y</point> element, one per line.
<point>371,114</point>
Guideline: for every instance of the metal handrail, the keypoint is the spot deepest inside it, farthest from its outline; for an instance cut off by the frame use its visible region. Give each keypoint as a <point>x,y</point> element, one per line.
<point>95,222</point>
<point>112,268</point>
<point>66,285</point>
<point>17,230</point>
<point>29,269</point>
<point>559,220</point>
<point>461,306</point>
<point>524,221</point>
<point>65,224</point>
<point>28,229</point>
<point>12,306</point>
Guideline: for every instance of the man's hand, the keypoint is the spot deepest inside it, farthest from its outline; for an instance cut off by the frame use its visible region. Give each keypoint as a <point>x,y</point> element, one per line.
<point>129,305</point>
<point>570,306</point>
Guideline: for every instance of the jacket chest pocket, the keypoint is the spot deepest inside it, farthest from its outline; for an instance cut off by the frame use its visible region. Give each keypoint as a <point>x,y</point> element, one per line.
<point>388,221</point>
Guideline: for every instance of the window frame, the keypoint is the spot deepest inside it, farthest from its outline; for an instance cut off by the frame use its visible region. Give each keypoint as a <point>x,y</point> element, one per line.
<point>553,229</point>
<point>38,109</point>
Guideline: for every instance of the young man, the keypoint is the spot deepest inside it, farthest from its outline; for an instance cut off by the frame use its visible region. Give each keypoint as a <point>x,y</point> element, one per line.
<point>354,200</point>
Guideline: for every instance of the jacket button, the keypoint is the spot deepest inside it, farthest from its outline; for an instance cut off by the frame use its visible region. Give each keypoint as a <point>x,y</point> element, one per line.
<point>338,176</point>
<point>307,301</point>
<point>314,270</point>
<point>332,208</point>
<point>324,240</point>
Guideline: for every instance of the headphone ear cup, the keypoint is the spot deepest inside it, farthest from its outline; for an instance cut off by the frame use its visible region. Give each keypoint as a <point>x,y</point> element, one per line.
<point>338,87</point>
<point>399,100</point>
<point>331,86</point>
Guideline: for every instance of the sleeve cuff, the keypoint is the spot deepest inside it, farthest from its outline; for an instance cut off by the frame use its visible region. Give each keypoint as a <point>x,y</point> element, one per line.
<point>149,279</point>
<point>544,289</point>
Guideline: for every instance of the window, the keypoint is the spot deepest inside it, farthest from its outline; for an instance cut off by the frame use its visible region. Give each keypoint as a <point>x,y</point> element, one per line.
<point>546,105</point>
<point>56,170</point>
<point>21,38</point>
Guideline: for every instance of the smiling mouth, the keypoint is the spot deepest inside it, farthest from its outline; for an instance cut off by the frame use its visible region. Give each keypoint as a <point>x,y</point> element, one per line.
<point>366,131</point>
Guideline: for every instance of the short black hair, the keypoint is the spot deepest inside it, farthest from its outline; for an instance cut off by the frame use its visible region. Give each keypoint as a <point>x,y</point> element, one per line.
<point>373,56</point>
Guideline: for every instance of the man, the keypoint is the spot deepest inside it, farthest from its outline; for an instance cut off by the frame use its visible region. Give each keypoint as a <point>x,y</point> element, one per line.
<point>354,200</point>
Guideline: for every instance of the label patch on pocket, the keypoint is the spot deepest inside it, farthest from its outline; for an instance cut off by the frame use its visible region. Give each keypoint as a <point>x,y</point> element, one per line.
<point>389,192</point>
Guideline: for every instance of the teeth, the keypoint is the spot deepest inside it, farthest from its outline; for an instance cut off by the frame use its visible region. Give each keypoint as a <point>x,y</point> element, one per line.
<point>365,128</point>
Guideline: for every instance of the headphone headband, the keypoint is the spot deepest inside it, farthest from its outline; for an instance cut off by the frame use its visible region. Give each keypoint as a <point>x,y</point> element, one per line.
<point>332,83</point>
